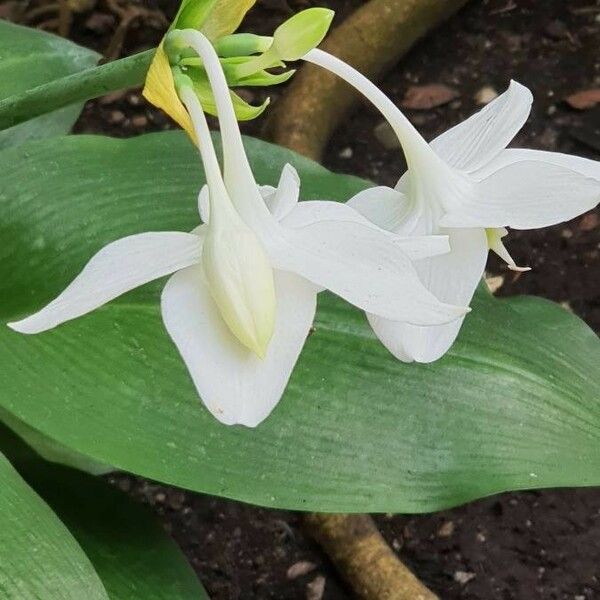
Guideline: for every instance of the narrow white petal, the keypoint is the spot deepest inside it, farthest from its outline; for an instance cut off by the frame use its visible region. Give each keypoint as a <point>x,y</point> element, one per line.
<point>236,386</point>
<point>119,267</point>
<point>453,278</point>
<point>495,244</point>
<point>479,139</point>
<point>415,247</point>
<point>364,266</point>
<point>527,195</point>
<point>584,166</point>
<point>286,194</point>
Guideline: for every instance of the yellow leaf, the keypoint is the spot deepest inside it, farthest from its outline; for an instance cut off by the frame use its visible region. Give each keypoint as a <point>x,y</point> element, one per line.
<point>160,91</point>
<point>225,17</point>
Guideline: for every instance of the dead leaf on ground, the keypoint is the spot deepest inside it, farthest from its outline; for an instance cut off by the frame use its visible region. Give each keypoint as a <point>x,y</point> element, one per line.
<point>584,99</point>
<point>426,97</point>
<point>588,222</point>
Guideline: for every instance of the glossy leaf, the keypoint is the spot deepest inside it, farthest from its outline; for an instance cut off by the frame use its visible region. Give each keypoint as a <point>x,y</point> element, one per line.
<point>29,57</point>
<point>129,550</point>
<point>39,558</point>
<point>514,405</point>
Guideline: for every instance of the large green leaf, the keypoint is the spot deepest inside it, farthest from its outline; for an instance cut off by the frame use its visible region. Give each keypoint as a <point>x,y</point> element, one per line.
<point>514,405</point>
<point>130,552</point>
<point>29,57</point>
<point>39,558</point>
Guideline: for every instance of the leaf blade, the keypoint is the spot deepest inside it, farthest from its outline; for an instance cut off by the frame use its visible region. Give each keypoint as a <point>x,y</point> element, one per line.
<point>527,418</point>
<point>28,58</point>
<point>38,556</point>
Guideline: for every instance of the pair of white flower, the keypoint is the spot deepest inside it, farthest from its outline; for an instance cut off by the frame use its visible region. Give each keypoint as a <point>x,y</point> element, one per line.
<point>242,300</point>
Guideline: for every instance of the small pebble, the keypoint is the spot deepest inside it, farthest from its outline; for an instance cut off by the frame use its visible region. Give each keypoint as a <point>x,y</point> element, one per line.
<point>300,568</point>
<point>446,530</point>
<point>139,121</point>
<point>463,577</point>
<point>116,116</point>
<point>566,233</point>
<point>485,95</point>
<point>494,283</point>
<point>316,588</point>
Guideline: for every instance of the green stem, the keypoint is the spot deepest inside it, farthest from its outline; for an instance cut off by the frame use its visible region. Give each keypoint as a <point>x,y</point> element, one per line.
<point>78,87</point>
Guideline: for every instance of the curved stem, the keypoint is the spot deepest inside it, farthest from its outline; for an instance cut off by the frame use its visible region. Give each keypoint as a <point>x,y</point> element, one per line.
<point>238,175</point>
<point>233,146</point>
<point>412,142</point>
<point>212,169</point>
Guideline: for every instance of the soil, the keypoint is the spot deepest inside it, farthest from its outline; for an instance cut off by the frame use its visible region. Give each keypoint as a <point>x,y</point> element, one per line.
<point>522,546</point>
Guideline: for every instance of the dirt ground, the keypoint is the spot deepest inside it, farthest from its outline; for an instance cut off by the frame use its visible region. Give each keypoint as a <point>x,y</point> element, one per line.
<point>522,546</point>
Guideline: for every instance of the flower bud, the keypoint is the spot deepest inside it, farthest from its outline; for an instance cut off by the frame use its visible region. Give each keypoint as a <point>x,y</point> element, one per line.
<point>240,279</point>
<point>301,33</point>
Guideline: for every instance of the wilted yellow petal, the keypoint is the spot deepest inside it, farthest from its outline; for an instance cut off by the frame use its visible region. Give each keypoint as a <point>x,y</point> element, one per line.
<point>160,91</point>
<point>225,17</point>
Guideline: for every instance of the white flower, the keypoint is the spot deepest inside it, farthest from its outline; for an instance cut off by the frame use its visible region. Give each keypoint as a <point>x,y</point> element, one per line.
<point>242,298</point>
<point>466,185</point>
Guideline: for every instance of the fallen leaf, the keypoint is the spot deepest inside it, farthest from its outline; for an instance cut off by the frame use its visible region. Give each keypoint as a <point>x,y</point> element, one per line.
<point>425,97</point>
<point>588,222</point>
<point>584,99</point>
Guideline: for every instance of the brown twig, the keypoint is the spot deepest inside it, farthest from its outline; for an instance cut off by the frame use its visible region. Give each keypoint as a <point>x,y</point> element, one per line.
<point>127,15</point>
<point>364,559</point>
<point>372,40</point>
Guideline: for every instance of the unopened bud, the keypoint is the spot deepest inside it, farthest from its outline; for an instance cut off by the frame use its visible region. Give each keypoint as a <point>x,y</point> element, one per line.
<point>301,33</point>
<point>240,279</point>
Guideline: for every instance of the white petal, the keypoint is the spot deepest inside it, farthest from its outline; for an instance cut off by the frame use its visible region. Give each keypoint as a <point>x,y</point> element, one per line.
<point>452,278</point>
<point>495,244</point>
<point>476,141</point>
<point>313,211</point>
<point>362,265</point>
<point>285,196</point>
<point>236,386</point>
<point>584,166</point>
<point>527,195</point>
<point>204,204</point>
<point>384,206</point>
<point>119,267</point>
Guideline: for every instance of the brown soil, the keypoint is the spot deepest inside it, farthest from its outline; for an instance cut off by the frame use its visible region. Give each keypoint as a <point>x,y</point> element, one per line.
<point>522,546</point>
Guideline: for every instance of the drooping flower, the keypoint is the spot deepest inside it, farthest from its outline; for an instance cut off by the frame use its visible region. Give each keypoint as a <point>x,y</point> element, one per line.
<point>466,184</point>
<point>242,298</point>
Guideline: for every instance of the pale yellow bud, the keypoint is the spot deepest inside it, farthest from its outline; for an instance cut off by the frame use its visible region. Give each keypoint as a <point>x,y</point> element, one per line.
<point>240,280</point>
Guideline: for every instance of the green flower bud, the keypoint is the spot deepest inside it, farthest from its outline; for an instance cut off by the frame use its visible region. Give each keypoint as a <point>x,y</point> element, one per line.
<point>301,33</point>
<point>242,44</point>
